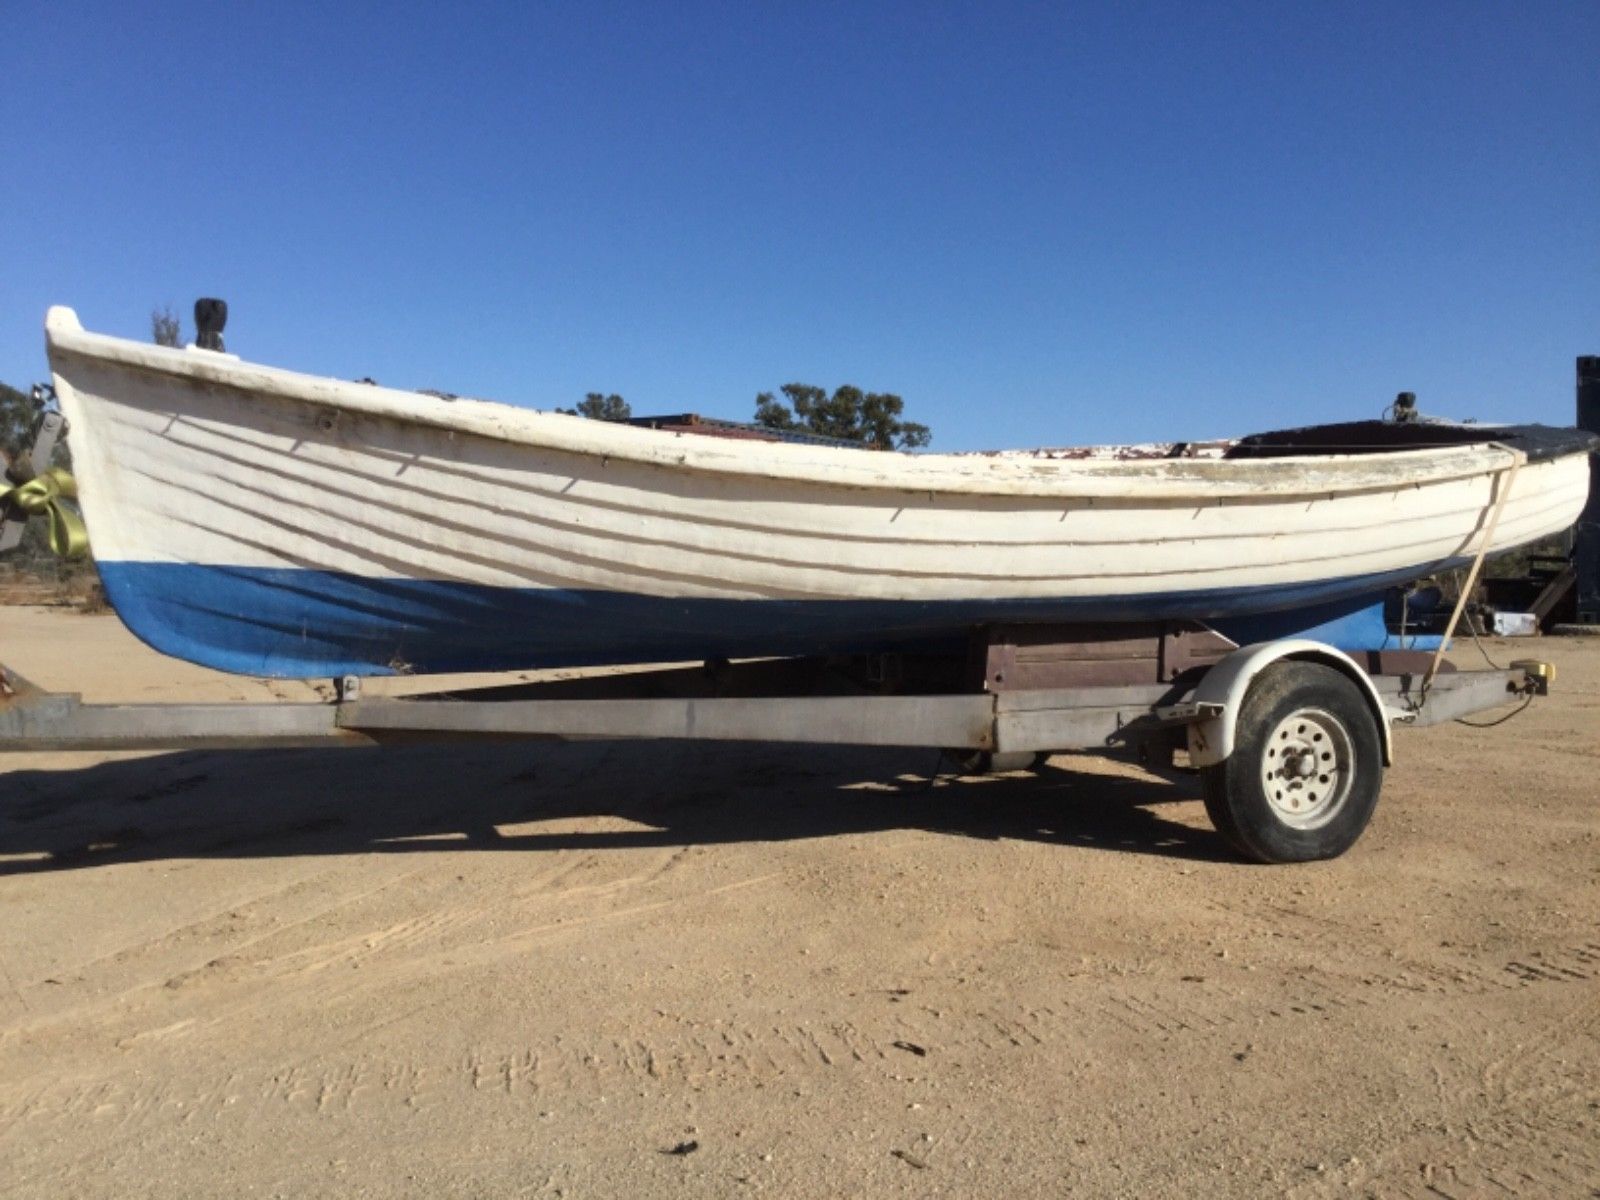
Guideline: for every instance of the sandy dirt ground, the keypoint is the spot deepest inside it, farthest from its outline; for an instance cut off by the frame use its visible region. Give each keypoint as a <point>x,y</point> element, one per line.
<point>538,970</point>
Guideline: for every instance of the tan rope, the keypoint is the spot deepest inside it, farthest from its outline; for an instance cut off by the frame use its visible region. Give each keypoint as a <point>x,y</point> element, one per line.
<point>1510,475</point>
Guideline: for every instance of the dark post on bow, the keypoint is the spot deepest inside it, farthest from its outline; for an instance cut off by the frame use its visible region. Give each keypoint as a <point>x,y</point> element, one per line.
<point>209,317</point>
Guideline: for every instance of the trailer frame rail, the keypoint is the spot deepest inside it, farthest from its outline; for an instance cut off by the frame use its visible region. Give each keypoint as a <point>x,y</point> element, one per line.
<point>1102,718</point>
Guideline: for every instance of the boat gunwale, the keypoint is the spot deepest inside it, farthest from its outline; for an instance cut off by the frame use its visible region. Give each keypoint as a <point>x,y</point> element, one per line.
<point>1019,474</point>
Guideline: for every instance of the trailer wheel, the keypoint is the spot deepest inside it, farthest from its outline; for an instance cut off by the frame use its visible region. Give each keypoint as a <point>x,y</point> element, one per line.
<point>1306,767</point>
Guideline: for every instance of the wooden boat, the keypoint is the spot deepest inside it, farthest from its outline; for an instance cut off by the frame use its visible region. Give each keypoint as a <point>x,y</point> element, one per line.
<point>273,523</point>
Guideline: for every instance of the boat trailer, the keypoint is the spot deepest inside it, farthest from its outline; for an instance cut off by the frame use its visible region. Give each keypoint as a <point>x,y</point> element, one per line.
<point>1157,694</point>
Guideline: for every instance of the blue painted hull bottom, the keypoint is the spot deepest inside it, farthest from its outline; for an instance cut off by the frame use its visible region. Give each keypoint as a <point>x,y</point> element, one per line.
<point>294,623</point>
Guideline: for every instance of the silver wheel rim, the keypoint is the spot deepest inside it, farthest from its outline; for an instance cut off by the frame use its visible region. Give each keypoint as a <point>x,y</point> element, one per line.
<point>1307,768</point>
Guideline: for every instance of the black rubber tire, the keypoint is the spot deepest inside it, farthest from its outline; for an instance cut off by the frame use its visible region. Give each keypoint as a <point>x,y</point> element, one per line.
<point>1235,795</point>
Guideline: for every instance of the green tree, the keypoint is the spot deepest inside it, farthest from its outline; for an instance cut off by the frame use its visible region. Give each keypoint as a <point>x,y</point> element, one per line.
<point>599,407</point>
<point>871,418</point>
<point>165,328</point>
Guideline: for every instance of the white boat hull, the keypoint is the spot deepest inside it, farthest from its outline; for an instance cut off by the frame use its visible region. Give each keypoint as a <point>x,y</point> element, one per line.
<point>272,523</point>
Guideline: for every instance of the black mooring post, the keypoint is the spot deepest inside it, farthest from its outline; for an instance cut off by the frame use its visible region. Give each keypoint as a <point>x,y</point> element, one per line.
<point>1586,547</point>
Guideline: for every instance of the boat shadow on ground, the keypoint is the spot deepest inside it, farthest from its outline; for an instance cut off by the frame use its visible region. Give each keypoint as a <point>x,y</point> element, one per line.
<point>544,797</point>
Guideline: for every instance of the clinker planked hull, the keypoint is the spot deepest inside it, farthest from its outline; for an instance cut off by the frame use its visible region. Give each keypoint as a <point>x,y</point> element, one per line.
<point>271,523</point>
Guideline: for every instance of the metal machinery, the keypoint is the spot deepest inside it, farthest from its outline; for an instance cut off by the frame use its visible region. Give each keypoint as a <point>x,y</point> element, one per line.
<point>1586,549</point>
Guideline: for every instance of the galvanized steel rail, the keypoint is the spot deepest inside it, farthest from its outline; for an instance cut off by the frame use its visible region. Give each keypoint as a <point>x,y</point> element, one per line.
<point>1090,718</point>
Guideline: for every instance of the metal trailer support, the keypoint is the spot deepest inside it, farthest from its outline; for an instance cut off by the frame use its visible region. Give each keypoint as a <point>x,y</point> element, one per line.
<point>964,722</point>
<point>1586,549</point>
<point>1103,719</point>
<point>993,727</point>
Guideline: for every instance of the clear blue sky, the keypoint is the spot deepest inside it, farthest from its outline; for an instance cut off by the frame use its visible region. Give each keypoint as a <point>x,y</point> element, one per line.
<point>1045,223</point>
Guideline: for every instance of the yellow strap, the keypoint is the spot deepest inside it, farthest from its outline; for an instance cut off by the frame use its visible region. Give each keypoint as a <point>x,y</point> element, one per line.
<point>43,494</point>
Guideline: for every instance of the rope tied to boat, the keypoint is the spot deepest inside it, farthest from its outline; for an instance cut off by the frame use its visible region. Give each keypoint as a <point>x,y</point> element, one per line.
<point>1507,478</point>
<point>43,494</point>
